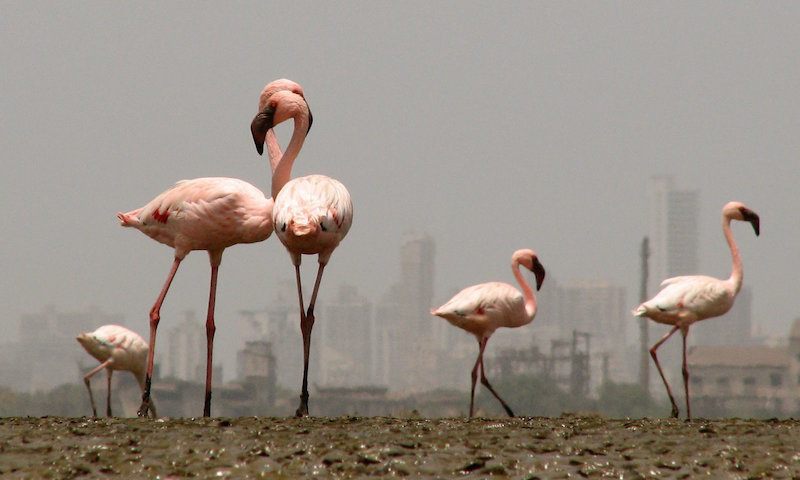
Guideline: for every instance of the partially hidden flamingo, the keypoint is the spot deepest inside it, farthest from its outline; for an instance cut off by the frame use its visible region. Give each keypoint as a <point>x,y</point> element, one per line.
<point>116,348</point>
<point>312,215</point>
<point>689,299</point>
<point>481,309</point>
<point>215,213</point>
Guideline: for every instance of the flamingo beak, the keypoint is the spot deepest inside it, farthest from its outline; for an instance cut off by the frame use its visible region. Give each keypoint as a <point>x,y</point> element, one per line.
<point>262,122</point>
<point>752,217</point>
<point>310,117</point>
<point>538,272</point>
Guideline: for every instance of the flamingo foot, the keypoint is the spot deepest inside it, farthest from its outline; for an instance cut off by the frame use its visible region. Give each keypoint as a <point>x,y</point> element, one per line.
<point>302,410</point>
<point>674,411</point>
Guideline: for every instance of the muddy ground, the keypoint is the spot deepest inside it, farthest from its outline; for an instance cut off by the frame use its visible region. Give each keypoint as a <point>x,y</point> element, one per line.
<point>349,447</point>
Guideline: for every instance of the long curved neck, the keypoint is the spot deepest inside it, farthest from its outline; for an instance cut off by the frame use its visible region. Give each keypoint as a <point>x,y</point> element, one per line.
<point>273,150</point>
<point>527,291</point>
<point>737,272</point>
<point>283,169</point>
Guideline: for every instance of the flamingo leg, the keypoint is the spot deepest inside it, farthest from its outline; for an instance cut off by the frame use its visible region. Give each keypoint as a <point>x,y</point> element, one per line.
<point>474,381</point>
<point>87,380</point>
<point>109,372</point>
<point>661,372</point>
<point>305,330</point>
<point>685,371</point>
<point>155,317</point>
<point>486,383</point>
<point>210,330</point>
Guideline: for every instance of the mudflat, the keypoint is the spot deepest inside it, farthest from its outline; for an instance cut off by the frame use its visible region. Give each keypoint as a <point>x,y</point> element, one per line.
<point>570,446</point>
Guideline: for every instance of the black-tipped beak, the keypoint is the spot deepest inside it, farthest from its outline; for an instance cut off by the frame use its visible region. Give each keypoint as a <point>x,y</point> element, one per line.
<point>752,217</point>
<point>310,118</point>
<point>538,272</point>
<point>260,125</point>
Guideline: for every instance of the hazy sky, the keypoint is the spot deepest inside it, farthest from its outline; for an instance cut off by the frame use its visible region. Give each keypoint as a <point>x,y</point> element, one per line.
<point>490,125</point>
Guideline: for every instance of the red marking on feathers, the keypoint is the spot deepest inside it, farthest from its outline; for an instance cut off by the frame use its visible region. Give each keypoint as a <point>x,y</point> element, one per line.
<point>161,217</point>
<point>480,311</point>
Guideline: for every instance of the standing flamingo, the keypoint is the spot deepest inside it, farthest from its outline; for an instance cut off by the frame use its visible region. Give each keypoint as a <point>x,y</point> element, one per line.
<point>314,214</point>
<point>689,299</point>
<point>117,348</point>
<point>212,214</point>
<point>481,309</point>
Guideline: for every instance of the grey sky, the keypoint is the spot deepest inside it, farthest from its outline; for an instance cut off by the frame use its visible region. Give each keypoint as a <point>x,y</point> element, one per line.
<point>491,126</point>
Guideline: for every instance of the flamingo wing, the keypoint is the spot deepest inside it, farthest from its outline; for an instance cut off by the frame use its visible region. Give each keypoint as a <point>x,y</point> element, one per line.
<point>698,295</point>
<point>482,307</point>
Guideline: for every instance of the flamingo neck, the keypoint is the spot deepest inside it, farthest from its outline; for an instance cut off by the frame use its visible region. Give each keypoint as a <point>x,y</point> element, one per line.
<point>737,272</point>
<point>527,291</point>
<point>274,150</point>
<point>283,170</point>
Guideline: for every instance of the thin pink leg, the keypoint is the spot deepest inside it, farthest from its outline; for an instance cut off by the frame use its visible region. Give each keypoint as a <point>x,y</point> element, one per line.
<point>474,381</point>
<point>305,330</point>
<point>87,380</point>
<point>661,372</point>
<point>486,383</point>
<point>155,316</point>
<point>108,398</point>
<point>210,330</point>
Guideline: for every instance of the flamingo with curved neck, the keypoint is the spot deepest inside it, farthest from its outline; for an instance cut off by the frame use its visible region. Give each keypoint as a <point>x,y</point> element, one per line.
<point>213,214</point>
<point>689,299</point>
<point>481,309</point>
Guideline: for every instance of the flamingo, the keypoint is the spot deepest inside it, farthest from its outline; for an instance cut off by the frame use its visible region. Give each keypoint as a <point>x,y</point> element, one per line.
<point>481,309</point>
<point>689,299</point>
<point>215,213</point>
<point>314,214</point>
<point>116,348</point>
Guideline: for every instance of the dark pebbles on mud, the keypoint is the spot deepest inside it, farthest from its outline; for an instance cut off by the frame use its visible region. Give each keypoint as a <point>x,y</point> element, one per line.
<point>570,446</point>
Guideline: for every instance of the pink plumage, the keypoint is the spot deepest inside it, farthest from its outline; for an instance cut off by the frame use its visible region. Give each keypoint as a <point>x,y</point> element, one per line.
<point>481,309</point>
<point>689,299</point>
<point>116,348</point>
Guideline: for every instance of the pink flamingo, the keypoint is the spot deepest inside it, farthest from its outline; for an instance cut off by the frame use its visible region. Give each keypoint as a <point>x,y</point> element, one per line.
<point>482,309</point>
<point>215,213</point>
<point>117,348</point>
<point>689,299</point>
<point>312,215</point>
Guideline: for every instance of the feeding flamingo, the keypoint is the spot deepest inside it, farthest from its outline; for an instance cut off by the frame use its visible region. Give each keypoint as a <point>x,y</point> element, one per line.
<point>482,309</point>
<point>313,213</point>
<point>215,213</point>
<point>689,299</point>
<point>117,348</point>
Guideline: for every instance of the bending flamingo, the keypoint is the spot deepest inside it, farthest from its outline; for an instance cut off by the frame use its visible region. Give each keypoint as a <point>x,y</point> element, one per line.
<point>212,214</point>
<point>117,348</point>
<point>314,213</point>
<point>482,309</point>
<point>689,299</point>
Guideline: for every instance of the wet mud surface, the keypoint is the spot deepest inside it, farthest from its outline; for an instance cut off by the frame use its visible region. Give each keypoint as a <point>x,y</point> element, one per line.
<point>348,447</point>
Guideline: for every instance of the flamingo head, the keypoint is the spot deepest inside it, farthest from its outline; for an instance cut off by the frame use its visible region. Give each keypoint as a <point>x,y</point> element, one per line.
<point>738,211</point>
<point>278,107</point>
<point>528,259</point>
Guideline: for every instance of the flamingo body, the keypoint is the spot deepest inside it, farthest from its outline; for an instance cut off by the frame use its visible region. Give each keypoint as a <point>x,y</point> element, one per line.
<point>481,309</point>
<point>314,213</point>
<point>204,214</point>
<point>116,348</point>
<point>685,300</point>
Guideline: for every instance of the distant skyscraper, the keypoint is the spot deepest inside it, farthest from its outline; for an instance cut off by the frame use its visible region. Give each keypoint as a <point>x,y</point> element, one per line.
<point>347,339</point>
<point>185,355</point>
<point>407,332</point>
<point>674,234</point>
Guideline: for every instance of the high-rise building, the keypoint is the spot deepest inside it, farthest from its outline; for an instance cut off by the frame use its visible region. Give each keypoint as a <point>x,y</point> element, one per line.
<point>674,234</point>
<point>185,355</point>
<point>406,335</point>
<point>347,339</point>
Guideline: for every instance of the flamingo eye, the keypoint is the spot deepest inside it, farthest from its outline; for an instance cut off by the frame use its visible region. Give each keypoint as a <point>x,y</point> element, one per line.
<point>323,227</point>
<point>283,228</point>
